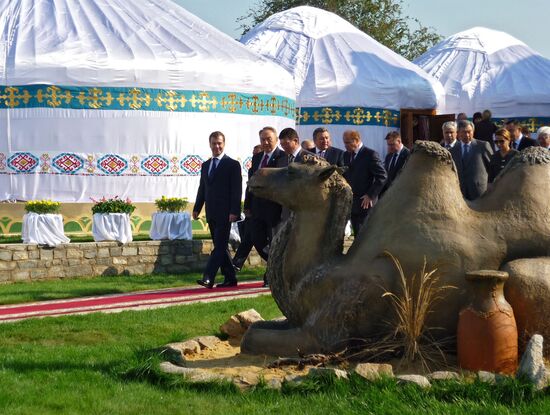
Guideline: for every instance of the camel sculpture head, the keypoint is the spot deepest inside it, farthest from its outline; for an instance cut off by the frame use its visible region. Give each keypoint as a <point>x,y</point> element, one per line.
<point>300,186</point>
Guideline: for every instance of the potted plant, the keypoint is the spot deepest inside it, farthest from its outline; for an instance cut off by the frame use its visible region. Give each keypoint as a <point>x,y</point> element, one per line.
<point>42,224</point>
<point>171,221</point>
<point>111,219</point>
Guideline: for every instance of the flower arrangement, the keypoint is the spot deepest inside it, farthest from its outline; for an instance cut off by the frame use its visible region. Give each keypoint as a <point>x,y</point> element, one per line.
<point>112,205</point>
<point>42,206</point>
<point>171,204</point>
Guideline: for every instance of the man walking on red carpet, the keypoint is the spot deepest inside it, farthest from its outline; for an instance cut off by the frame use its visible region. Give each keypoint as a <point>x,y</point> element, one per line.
<point>220,189</point>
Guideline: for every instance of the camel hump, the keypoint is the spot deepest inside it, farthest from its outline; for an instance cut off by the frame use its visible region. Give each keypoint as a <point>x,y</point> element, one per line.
<point>433,149</point>
<point>529,156</point>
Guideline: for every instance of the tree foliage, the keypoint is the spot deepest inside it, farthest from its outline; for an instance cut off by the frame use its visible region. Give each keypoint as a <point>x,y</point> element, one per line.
<point>384,20</point>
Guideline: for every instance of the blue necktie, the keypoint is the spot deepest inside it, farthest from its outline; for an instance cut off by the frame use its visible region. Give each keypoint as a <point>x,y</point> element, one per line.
<point>465,150</point>
<point>213,168</point>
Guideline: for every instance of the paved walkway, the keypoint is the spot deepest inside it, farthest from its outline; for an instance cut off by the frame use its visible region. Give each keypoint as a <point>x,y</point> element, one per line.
<point>141,300</point>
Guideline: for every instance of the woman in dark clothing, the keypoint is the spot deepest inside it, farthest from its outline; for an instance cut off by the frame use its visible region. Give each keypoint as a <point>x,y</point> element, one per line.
<point>504,154</point>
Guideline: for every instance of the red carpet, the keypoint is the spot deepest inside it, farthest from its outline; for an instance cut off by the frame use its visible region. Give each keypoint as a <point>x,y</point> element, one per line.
<point>130,301</point>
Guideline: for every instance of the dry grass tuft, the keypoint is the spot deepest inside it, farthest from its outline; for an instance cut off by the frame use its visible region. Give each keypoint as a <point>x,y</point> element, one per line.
<point>412,306</point>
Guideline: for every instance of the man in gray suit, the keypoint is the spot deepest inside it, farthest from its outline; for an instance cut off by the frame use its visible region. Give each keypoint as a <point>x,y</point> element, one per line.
<point>472,159</point>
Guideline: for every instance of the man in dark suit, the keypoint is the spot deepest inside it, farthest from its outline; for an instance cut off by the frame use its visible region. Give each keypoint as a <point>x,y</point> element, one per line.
<point>396,157</point>
<point>519,141</point>
<point>324,149</point>
<point>265,214</point>
<point>365,174</point>
<point>290,142</point>
<point>472,158</point>
<point>220,190</point>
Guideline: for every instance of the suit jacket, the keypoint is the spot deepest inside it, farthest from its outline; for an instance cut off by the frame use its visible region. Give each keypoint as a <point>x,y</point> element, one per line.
<point>366,176</point>
<point>222,192</point>
<point>397,166</point>
<point>262,208</point>
<point>333,155</point>
<point>526,142</point>
<point>299,157</point>
<point>473,171</point>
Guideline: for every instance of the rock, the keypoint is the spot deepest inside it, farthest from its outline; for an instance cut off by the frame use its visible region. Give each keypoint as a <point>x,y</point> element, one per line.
<point>237,324</point>
<point>486,377</point>
<point>232,327</point>
<point>374,371</point>
<point>168,367</point>
<point>327,372</point>
<point>419,380</point>
<point>248,317</point>
<point>294,379</point>
<point>245,381</point>
<point>532,366</point>
<point>444,375</point>
<point>207,342</point>
<point>186,347</point>
<point>274,384</point>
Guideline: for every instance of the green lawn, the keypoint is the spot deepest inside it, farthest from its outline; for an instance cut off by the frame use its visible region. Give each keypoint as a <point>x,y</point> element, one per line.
<point>23,292</point>
<point>99,364</point>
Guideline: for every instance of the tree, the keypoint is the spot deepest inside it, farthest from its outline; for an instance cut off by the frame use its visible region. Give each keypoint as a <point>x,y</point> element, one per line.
<point>384,20</point>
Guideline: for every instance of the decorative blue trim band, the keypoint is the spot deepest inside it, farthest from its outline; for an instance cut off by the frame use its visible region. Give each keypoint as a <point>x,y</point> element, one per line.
<point>147,99</point>
<point>533,123</point>
<point>348,116</point>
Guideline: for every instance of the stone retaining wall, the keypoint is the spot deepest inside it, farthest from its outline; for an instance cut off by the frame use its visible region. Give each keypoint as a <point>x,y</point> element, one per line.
<point>22,262</point>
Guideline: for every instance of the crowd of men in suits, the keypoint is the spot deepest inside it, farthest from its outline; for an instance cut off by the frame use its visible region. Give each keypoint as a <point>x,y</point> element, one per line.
<point>369,177</point>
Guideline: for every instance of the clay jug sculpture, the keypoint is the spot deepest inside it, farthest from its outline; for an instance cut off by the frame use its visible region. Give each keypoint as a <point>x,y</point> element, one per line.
<point>487,336</point>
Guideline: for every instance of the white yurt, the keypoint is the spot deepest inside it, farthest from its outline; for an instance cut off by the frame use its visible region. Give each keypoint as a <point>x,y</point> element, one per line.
<point>487,69</point>
<point>344,78</point>
<point>118,98</point>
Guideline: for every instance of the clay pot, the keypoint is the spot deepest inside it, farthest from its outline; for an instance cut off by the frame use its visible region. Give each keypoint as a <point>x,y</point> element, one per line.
<point>487,336</point>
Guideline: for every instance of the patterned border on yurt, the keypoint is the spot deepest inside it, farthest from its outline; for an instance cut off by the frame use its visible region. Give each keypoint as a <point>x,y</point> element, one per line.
<point>98,164</point>
<point>347,116</point>
<point>532,123</point>
<point>148,99</point>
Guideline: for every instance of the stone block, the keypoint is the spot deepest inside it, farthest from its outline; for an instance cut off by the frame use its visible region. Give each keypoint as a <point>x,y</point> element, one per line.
<point>104,261</point>
<point>180,259</point>
<point>39,274</point>
<point>148,259</point>
<point>177,269</point>
<point>531,366</point>
<point>22,275</point>
<point>150,268</point>
<point>186,347</point>
<point>5,255</point>
<point>46,254</point>
<point>31,263</point>
<point>5,276</point>
<point>443,375</point>
<point>197,247</point>
<point>129,251</point>
<point>20,255</point>
<point>327,372</point>
<point>148,250</point>
<point>135,269</point>
<point>90,253</point>
<point>78,271</point>
<point>103,253</point>
<point>164,249</point>
<point>207,342</point>
<point>119,261</point>
<point>184,250</point>
<point>74,261</point>
<point>166,259</point>
<point>74,253</point>
<point>232,327</point>
<point>115,251</point>
<point>18,247</point>
<point>60,253</point>
<point>56,262</point>
<point>7,265</point>
<point>132,260</point>
<point>34,254</point>
<point>374,371</point>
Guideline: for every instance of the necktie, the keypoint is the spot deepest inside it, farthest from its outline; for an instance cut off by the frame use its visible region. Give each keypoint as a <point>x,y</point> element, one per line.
<point>515,145</point>
<point>322,154</point>
<point>213,167</point>
<point>264,161</point>
<point>290,158</point>
<point>465,150</point>
<point>393,160</point>
<point>352,157</point>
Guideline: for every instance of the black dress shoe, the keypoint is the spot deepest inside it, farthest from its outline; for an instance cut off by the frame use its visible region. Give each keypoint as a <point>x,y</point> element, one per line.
<point>206,283</point>
<point>227,284</point>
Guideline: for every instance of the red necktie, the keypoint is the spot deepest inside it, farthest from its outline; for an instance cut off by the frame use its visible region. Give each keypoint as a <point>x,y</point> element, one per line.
<point>264,161</point>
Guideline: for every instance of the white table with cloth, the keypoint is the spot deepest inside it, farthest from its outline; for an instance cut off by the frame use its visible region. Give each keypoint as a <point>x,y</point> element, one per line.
<point>111,227</point>
<point>171,225</point>
<point>43,229</point>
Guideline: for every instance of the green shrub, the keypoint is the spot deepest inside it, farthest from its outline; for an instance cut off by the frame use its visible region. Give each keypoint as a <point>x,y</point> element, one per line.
<point>42,206</point>
<point>113,205</point>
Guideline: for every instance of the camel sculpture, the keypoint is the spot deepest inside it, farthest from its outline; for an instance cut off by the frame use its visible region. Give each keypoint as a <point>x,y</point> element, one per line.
<point>328,297</point>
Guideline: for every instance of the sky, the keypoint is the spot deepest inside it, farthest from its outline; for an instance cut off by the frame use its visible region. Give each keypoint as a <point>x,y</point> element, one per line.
<point>526,20</point>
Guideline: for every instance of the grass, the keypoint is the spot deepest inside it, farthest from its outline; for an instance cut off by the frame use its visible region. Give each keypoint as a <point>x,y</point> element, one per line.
<point>104,364</point>
<point>24,292</point>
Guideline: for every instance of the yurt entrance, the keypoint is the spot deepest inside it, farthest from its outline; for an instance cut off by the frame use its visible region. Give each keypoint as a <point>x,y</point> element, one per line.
<point>422,125</point>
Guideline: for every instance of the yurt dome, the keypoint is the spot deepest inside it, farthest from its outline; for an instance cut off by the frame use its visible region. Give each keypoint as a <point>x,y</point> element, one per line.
<point>483,69</point>
<point>118,97</point>
<point>344,78</point>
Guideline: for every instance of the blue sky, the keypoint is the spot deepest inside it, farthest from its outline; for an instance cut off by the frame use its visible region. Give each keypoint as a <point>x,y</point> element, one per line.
<point>526,20</point>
